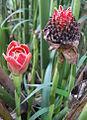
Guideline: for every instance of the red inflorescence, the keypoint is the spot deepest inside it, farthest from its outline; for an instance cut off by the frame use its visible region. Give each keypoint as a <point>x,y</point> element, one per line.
<point>62,16</point>
<point>62,27</point>
<point>62,32</point>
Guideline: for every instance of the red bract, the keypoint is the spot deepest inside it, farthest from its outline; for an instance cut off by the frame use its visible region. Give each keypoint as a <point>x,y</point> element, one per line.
<point>62,16</point>
<point>18,57</point>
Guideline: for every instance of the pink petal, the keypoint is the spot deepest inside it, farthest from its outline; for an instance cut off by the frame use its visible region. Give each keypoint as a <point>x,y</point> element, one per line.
<point>12,44</point>
<point>21,58</point>
<point>16,49</point>
<point>25,47</point>
<point>13,65</point>
<point>25,65</point>
<point>12,54</point>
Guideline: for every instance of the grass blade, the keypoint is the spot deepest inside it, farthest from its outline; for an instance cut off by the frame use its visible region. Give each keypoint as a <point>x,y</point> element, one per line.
<point>44,15</point>
<point>82,19</point>
<point>76,8</point>
<point>18,25</point>
<point>62,92</point>
<point>61,114</point>
<point>34,92</point>
<point>46,91</point>
<point>37,114</point>
<point>83,58</point>
<point>18,11</point>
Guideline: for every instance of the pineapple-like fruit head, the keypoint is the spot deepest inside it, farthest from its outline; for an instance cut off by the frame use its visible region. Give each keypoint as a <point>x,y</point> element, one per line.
<point>62,32</point>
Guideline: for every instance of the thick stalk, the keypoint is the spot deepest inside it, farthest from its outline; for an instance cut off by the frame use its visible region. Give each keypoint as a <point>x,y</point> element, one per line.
<point>4,34</point>
<point>20,17</point>
<point>44,16</point>
<point>61,75</point>
<point>76,10</point>
<point>46,91</point>
<point>35,55</point>
<point>17,82</point>
<point>51,6</point>
<point>53,90</point>
<point>66,74</point>
<point>26,24</point>
<point>35,62</point>
<point>72,77</point>
<point>63,85</point>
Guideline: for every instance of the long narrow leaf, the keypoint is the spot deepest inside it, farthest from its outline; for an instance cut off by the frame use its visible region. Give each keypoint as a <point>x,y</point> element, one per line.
<point>18,11</point>
<point>18,25</point>
<point>37,114</point>
<point>51,6</point>
<point>62,92</point>
<point>34,92</point>
<point>76,8</point>
<point>83,58</point>
<point>44,15</point>
<point>46,91</point>
<point>61,114</point>
<point>82,19</point>
<point>38,85</point>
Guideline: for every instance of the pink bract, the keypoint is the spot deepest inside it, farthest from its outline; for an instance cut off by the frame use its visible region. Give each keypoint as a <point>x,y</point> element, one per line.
<point>18,57</point>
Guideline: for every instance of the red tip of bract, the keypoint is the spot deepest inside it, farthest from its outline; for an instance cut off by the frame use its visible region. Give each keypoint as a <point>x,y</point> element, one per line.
<point>60,7</point>
<point>18,57</point>
<point>62,16</point>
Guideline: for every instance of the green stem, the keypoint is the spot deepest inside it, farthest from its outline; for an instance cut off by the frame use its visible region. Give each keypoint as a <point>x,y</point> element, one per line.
<point>63,85</point>
<point>66,73</point>
<point>61,75</point>
<point>58,106</point>
<point>61,114</point>
<point>53,90</point>
<point>21,16</point>
<point>44,53</point>
<point>35,62</point>
<point>17,82</point>
<point>76,8</point>
<point>51,6</point>
<point>26,24</point>
<point>4,34</point>
<point>35,55</point>
<point>72,77</point>
<point>36,8</point>
<point>51,109</point>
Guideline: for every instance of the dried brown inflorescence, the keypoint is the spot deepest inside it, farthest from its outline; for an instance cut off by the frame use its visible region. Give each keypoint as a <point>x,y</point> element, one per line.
<point>62,32</point>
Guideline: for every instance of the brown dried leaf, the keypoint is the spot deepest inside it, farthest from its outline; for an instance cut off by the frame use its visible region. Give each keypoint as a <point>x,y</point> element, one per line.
<point>69,50</point>
<point>77,100</point>
<point>70,55</point>
<point>52,47</point>
<point>6,82</point>
<point>4,112</point>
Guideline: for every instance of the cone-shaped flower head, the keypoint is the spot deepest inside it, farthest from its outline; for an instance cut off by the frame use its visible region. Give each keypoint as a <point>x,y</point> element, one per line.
<point>62,32</point>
